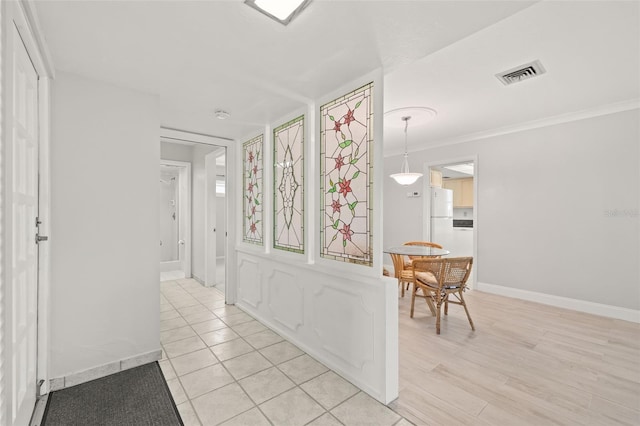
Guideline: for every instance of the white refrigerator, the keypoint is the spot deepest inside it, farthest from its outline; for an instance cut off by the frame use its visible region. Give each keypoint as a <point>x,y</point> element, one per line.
<point>442,217</point>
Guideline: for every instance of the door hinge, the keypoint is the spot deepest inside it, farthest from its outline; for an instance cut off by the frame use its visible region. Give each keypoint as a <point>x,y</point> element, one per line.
<point>38,221</point>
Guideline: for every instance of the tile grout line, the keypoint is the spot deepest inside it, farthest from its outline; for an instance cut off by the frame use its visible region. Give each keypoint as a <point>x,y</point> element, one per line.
<point>296,385</point>
<point>258,351</point>
<point>236,381</point>
<point>189,400</point>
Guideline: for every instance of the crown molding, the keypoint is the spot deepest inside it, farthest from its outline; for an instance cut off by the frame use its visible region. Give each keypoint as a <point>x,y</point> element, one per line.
<point>31,15</point>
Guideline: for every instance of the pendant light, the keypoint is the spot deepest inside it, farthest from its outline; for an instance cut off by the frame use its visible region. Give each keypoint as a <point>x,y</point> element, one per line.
<point>405,177</point>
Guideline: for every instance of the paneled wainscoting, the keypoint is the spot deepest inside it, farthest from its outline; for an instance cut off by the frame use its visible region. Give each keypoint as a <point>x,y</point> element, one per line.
<point>224,367</point>
<point>341,320</point>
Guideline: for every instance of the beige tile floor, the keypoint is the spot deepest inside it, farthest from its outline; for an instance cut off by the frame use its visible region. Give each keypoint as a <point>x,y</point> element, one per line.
<point>224,367</point>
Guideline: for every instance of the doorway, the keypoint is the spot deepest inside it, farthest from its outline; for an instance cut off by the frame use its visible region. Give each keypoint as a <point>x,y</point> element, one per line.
<point>175,220</point>
<point>209,204</point>
<point>452,208</point>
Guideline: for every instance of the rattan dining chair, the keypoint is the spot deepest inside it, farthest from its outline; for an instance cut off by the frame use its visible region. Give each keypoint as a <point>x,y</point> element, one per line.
<point>439,278</point>
<point>419,243</point>
<point>403,274</point>
<point>402,270</point>
<point>406,266</point>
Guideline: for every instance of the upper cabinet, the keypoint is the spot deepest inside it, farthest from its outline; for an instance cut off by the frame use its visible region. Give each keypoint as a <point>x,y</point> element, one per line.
<point>462,191</point>
<point>435,177</point>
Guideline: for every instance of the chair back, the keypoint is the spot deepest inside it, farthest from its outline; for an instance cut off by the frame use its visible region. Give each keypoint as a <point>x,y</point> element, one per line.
<point>398,264</point>
<point>421,243</point>
<point>452,272</point>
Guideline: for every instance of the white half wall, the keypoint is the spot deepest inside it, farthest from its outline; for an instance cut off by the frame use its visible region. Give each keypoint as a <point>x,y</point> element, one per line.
<point>342,321</point>
<point>344,315</point>
<point>557,209</point>
<point>105,229</point>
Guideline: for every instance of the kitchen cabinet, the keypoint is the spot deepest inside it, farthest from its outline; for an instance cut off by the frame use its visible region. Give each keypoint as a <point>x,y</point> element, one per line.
<point>462,191</point>
<point>435,177</point>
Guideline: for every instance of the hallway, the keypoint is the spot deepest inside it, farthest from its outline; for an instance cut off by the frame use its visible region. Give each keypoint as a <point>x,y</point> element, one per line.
<point>223,367</point>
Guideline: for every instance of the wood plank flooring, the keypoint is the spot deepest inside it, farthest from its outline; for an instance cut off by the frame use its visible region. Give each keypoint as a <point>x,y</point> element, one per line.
<point>526,364</point>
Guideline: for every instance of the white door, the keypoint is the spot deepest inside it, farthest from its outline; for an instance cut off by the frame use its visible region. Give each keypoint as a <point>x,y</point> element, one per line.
<point>21,214</point>
<point>210,220</point>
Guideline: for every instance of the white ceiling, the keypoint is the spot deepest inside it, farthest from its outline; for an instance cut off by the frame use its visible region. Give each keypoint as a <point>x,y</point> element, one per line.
<point>200,56</point>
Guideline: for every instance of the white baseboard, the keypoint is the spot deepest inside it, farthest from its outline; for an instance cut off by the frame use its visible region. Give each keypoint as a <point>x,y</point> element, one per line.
<point>609,311</point>
<point>103,370</point>
<point>195,277</point>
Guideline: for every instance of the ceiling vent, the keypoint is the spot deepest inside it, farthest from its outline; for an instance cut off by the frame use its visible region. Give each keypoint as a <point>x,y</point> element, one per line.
<point>523,72</point>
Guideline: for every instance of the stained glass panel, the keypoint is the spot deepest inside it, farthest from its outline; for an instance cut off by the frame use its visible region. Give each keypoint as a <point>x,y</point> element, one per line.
<point>346,166</point>
<point>252,181</point>
<point>288,186</point>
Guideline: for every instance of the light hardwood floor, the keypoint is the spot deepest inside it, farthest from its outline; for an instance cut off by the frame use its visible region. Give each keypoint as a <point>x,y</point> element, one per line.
<point>526,363</point>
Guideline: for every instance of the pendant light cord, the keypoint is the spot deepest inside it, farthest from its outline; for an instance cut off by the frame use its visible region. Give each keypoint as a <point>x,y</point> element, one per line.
<point>405,177</point>
<point>406,125</point>
<point>405,162</point>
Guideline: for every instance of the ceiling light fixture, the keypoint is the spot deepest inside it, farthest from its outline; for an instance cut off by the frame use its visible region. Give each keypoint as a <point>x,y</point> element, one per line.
<point>282,11</point>
<point>405,177</point>
<point>221,115</point>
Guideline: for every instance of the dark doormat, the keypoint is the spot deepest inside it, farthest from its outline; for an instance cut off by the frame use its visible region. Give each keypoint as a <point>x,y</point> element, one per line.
<point>138,396</point>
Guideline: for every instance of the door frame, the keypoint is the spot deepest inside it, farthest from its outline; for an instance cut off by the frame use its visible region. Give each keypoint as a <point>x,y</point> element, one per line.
<point>211,194</point>
<point>22,14</point>
<point>426,204</point>
<point>210,201</point>
<point>232,188</point>
<point>184,211</point>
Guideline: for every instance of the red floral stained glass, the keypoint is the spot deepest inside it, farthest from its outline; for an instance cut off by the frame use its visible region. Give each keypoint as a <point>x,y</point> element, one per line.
<point>346,167</point>
<point>253,184</point>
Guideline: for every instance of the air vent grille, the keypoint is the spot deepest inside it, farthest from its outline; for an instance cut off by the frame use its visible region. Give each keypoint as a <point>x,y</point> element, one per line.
<point>523,72</point>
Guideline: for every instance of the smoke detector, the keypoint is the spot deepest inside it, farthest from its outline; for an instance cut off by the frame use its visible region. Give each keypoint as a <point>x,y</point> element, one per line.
<point>520,73</point>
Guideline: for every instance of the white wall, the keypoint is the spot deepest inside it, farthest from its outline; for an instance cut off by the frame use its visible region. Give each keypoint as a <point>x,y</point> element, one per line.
<point>3,351</point>
<point>176,152</point>
<point>105,229</point>
<point>544,204</point>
